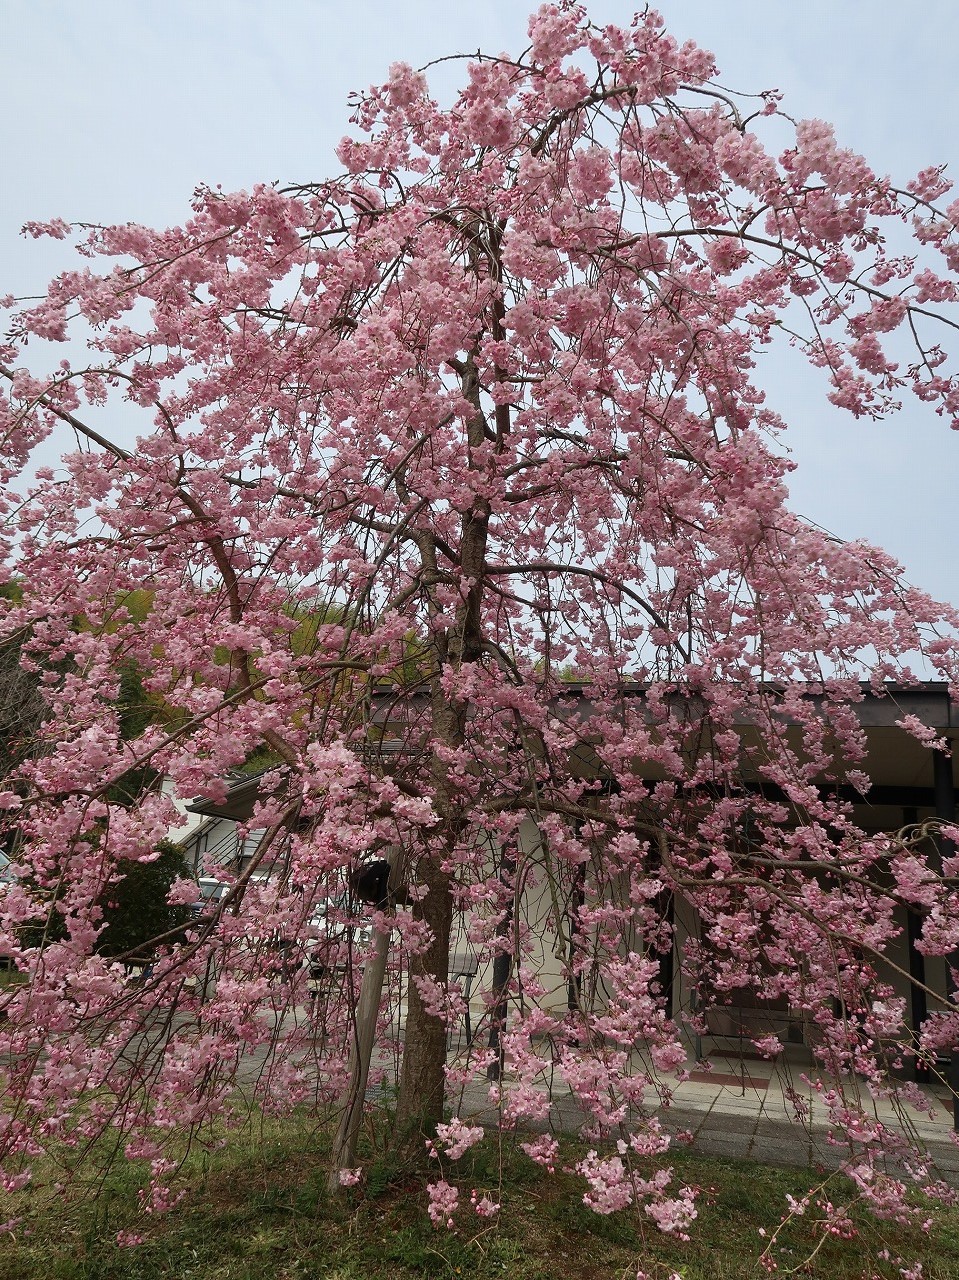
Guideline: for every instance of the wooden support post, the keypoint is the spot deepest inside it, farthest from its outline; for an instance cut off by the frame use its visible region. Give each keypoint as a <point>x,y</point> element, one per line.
<point>364,1035</point>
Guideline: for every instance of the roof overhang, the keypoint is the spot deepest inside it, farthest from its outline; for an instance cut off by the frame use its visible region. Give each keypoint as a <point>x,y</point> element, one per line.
<point>900,767</point>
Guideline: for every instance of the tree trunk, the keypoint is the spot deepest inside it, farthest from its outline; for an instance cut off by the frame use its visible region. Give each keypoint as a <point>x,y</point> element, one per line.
<point>423,1078</point>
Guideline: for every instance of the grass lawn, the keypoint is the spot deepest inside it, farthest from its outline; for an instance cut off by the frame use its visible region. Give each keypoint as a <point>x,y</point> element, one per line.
<point>257,1209</point>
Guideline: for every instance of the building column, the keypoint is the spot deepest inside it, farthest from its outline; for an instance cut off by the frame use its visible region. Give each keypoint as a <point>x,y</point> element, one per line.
<point>918,1007</point>
<point>502,961</point>
<point>667,970</point>
<point>945,797</point>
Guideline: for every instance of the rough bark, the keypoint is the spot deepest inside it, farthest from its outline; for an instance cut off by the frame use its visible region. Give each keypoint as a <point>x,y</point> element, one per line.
<point>423,1075</point>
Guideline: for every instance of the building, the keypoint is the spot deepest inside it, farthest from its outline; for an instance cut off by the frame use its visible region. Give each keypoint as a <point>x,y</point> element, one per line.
<point>910,784</point>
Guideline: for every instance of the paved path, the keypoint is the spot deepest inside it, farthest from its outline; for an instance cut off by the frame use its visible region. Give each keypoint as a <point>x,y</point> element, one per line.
<point>741,1110</point>
<point>738,1108</point>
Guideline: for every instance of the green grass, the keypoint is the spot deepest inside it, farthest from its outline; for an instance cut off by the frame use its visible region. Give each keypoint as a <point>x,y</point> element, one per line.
<point>258,1210</point>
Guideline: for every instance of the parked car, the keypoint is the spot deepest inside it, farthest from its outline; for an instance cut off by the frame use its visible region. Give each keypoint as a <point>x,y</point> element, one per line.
<point>334,934</point>
<point>6,948</point>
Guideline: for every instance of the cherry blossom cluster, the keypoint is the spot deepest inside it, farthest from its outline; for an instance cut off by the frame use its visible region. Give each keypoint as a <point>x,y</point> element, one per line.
<point>445,496</point>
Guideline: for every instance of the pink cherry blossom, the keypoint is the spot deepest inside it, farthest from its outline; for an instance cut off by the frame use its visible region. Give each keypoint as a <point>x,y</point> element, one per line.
<point>446,497</point>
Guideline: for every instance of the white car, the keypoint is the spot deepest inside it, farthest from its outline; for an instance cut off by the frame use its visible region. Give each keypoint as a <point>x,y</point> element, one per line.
<point>335,935</point>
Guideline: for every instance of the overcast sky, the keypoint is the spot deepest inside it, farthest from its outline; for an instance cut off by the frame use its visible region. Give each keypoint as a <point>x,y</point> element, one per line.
<point>114,110</point>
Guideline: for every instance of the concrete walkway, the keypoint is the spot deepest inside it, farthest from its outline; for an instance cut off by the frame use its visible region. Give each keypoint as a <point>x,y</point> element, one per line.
<point>732,1106</point>
<point>745,1110</point>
